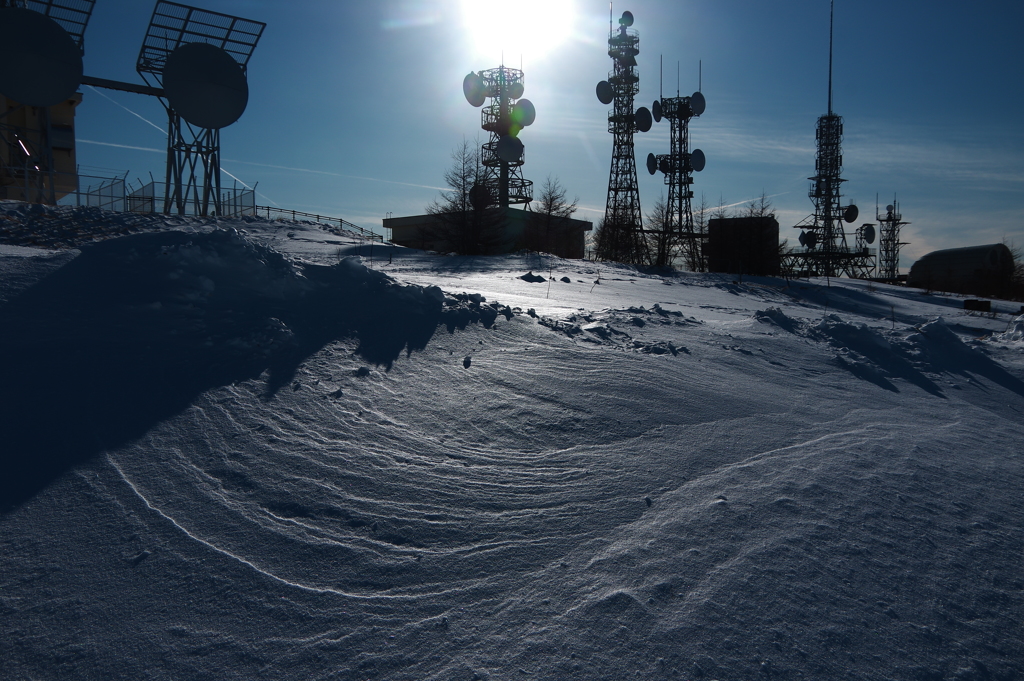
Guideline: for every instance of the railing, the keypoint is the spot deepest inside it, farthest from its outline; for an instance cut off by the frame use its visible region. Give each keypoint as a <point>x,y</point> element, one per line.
<point>343,225</point>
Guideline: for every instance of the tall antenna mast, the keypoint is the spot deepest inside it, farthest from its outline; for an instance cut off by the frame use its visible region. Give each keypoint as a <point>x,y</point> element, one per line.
<point>831,14</point>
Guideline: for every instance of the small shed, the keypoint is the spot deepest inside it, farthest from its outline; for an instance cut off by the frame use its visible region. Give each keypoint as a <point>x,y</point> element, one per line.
<point>744,246</point>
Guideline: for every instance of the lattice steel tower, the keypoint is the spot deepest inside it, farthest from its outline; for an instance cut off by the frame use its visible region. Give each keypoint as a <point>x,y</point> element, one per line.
<point>824,240</point>
<point>678,167</point>
<point>622,233</point>
<point>504,118</point>
<point>889,241</point>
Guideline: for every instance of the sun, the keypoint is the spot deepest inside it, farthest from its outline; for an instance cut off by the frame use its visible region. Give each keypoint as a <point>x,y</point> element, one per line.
<point>528,28</point>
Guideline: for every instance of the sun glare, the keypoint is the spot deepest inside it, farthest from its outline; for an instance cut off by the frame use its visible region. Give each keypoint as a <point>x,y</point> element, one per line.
<point>531,28</point>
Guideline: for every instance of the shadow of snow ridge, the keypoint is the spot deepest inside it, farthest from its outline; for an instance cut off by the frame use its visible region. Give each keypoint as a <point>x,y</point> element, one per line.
<point>870,356</point>
<point>133,329</point>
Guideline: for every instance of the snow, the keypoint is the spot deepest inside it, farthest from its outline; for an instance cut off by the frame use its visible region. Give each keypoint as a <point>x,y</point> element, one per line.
<point>245,449</point>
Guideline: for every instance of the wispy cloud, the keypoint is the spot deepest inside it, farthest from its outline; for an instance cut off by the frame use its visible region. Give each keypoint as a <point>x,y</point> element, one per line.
<point>333,174</point>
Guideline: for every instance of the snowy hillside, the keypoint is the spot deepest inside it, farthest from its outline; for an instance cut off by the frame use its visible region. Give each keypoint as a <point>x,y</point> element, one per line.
<point>257,450</point>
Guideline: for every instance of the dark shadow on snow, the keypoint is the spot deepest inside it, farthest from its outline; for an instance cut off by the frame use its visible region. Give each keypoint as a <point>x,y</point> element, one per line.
<point>133,329</point>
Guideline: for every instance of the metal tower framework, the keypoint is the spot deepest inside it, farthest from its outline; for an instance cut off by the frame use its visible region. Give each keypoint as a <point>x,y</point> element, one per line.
<point>504,179</point>
<point>193,153</point>
<point>826,252</point>
<point>622,214</point>
<point>678,168</point>
<point>889,241</point>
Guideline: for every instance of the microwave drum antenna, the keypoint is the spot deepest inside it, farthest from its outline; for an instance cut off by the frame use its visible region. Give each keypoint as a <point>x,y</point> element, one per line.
<point>42,64</point>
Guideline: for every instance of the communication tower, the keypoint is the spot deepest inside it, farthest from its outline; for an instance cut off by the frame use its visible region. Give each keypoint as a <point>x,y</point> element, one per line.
<point>889,243</point>
<point>503,118</point>
<point>826,252</point>
<point>41,48</point>
<point>198,59</point>
<point>678,167</point>
<point>622,233</point>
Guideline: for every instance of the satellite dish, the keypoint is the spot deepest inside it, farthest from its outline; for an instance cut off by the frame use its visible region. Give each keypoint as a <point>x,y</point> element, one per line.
<point>626,20</point>
<point>810,239</point>
<point>205,85</point>
<point>644,121</point>
<point>473,88</point>
<point>515,91</point>
<point>480,196</point>
<point>42,64</point>
<point>697,103</point>
<point>665,166</point>
<point>524,113</point>
<point>652,164</point>
<point>851,213</point>
<point>890,208</point>
<point>509,149</point>
<point>802,238</point>
<point>656,111</point>
<point>605,94</point>
<point>697,160</point>
<point>868,232</point>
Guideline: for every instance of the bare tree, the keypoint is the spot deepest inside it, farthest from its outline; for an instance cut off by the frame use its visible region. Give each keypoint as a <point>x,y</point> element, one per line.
<point>548,229</point>
<point>694,254</point>
<point>662,235</point>
<point>462,224</point>
<point>760,207</point>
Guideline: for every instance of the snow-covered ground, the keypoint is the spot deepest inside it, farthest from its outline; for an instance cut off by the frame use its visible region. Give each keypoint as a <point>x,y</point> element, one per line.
<point>257,450</point>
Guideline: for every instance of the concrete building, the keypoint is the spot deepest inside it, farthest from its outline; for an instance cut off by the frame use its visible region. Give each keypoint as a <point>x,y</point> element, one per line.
<point>743,246</point>
<point>514,230</point>
<point>975,270</point>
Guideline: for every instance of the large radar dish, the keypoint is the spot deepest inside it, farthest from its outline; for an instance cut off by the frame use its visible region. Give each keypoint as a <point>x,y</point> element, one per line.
<point>851,213</point>
<point>697,103</point>
<point>205,86</point>
<point>516,90</point>
<point>656,111</point>
<point>605,93</point>
<point>626,19</point>
<point>868,233</point>
<point>473,88</point>
<point>42,63</point>
<point>509,149</point>
<point>652,163</point>
<point>524,113</point>
<point>697,160</point>
<point>644,120</point>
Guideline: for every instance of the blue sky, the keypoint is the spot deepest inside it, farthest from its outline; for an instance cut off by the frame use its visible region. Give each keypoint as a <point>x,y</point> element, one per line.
<point>355,108</point>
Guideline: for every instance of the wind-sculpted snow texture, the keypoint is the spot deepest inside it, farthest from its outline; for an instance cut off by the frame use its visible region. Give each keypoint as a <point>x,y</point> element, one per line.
<point>238,452</point>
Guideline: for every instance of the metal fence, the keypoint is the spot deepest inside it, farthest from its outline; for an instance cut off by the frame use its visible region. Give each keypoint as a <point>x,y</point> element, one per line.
<point>343,225</point>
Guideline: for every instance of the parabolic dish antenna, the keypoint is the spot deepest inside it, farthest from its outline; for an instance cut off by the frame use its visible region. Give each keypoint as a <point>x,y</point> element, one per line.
<point>851,213</point>
<point>479,196</point>
<point>652,164</point>
<point>627,19</point>
<point>889,208</point>
<point>697,103</point>
<point>515,91</point>
<point>473,88</point>
<point>644,120</point>
<point>665,166</point>
<point>811,239</point>
<point>524,113</point>
<point>509,149</point>
<point>656,111</point>
<point>42,65</point>
<point>205,85</point>
<point>802,238</point>
<point>868,232</point>
<point>605,94</point>
<point>697,160</point>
